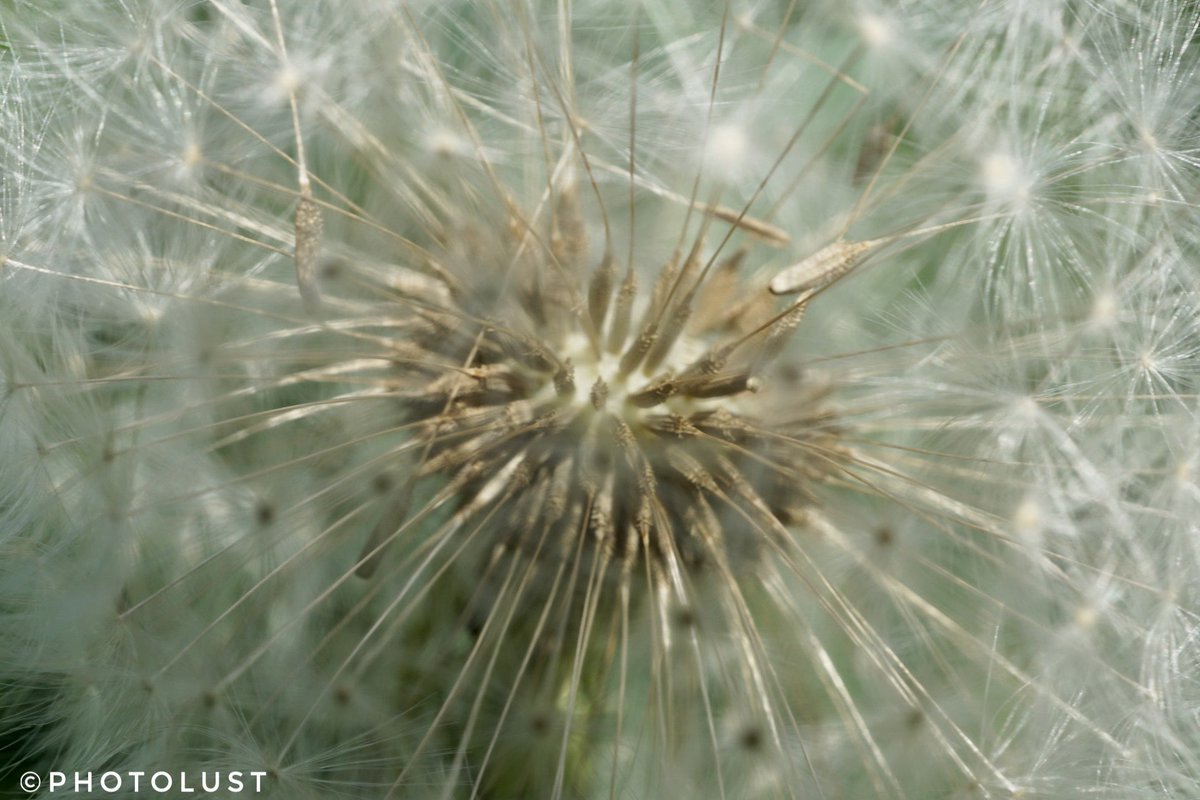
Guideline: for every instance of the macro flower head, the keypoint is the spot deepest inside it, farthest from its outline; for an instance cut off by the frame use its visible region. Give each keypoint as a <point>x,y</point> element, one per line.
<point>570,399</point>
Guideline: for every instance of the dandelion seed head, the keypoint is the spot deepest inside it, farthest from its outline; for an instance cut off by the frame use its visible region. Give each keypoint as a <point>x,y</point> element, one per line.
<point>1086,617</point>
<point>1185,473</point>
<point>192,156</point>
<point>511,475</point>
<point>727,146</point>
<point>1105,309</point>
<point>445,143</point>
<point>287,81</point>
<point>1006,180</point>
<point>877,31</point>
<point>1028,518</point>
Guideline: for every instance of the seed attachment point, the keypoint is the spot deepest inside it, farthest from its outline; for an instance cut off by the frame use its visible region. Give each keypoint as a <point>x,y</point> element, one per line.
<point>309,224</point>
<point>822,268</point>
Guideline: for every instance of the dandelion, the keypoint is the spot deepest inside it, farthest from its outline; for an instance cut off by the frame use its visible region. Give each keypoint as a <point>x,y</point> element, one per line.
<point>534,399</point>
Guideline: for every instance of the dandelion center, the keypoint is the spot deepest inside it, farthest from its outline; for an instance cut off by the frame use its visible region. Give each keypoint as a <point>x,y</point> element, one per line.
<point>635,421</point>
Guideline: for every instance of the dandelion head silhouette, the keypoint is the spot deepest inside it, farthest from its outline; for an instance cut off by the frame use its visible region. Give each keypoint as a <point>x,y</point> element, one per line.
<point>569,399</point>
